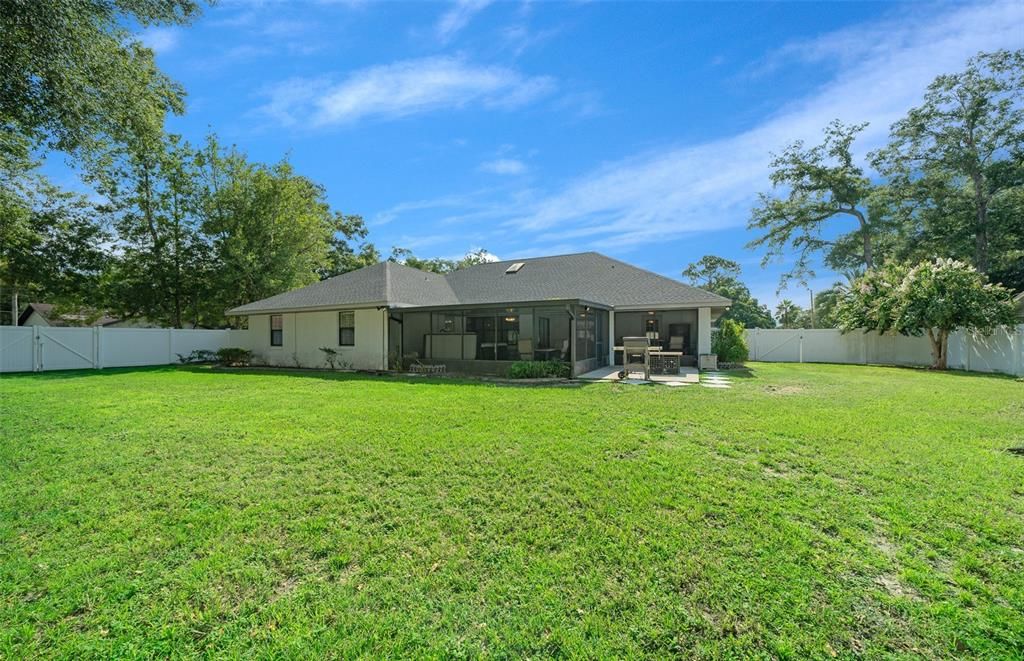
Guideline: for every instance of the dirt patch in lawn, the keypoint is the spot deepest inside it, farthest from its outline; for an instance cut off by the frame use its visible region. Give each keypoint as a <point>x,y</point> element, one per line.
<point>896,587</point>
<point>779,472</point>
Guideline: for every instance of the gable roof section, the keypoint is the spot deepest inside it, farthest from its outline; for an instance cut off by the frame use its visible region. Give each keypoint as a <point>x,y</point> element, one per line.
<point>385,283</point>
<point>587,276</point>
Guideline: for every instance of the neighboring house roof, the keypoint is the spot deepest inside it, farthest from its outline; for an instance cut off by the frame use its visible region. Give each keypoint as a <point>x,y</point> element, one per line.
<point>80,318</point>
<point>587,276</point>
<point>1019,300</point>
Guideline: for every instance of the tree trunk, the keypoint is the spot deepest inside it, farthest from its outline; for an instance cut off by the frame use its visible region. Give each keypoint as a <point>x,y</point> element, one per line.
<point>981,260</point>
<point>940,348</point>
<point>14,305</point>
<point>869,260</point>
<point>981,200</point>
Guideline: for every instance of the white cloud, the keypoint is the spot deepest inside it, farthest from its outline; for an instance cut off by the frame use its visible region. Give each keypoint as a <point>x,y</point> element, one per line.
<point>458,17</point>
<point>160,40</point>
<point>503,166</point>
<point>681,189</point>
<point>401,89</point>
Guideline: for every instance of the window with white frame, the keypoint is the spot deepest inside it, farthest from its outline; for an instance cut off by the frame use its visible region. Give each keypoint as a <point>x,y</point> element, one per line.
<point>276,330</point>
<point>347,328</point>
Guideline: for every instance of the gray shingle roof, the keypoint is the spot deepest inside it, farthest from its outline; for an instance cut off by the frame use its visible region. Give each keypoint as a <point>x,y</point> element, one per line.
<point>385,283</point>
<point>587,276</point>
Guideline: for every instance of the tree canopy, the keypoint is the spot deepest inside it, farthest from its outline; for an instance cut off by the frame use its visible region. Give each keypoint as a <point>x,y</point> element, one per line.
<point>955,164</point>
<point>722,276</point>
<point>49,242</point>
<point>934,297</point>
<point>74,75</point>
<point>438,264</point>
<point>821,183</point>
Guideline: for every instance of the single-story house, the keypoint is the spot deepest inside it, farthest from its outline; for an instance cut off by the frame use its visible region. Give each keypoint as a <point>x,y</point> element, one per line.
<point>44,314</point>
<point>478,320</point>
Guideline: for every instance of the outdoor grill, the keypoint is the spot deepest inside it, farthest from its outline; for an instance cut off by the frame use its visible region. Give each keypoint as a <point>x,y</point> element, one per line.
<point>636,356</point>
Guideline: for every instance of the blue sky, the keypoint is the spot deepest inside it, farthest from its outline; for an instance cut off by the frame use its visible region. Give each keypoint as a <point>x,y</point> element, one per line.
<point>642,130</point>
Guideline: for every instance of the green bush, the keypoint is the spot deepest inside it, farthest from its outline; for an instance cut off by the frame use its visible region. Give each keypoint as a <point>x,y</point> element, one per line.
<point>198,356</point>
<point>539,369</point>
<point>730,342</point>
<point>234,357</point>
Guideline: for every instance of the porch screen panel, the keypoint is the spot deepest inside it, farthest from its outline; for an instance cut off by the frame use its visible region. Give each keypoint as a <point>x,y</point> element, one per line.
<point>586,339</point>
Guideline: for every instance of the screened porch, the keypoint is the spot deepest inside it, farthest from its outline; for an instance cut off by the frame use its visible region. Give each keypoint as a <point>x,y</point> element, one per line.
<point>488,340</point>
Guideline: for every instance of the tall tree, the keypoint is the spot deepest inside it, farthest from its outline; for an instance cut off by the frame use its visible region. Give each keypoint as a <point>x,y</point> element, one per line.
<point>271,229</point>
<point>160,269</point>
<point>722,276</point>
<point>49,241</point>
<point>73,74</point>
<point>933,297</point>
<point>960,151</point>
<point>824,183</point>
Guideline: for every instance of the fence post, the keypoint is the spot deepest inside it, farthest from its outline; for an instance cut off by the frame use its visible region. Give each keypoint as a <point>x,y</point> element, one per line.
<point>967,350</point>
<point>37,350</point>
<point>801,347</point>
<point>1017,348</point>
<point>170,345</point>
<point>96,347</point>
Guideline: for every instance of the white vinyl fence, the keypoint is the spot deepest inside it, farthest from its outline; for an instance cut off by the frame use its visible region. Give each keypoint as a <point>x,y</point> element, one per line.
<point>1002,352</point>
<point>43,348</point>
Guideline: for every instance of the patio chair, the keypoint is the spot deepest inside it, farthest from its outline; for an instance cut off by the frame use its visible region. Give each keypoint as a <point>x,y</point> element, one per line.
<point>636,357</point>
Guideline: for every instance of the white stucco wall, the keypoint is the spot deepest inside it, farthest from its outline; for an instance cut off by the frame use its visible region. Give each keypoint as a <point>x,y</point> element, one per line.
<point>305,332</point>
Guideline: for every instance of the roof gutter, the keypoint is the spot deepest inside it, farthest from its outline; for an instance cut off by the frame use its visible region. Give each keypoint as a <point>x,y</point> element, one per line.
<point>237,312</point>
<point>673,306</point>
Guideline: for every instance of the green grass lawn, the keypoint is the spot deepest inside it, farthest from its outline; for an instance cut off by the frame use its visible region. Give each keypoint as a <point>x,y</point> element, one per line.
<point>810,511</point>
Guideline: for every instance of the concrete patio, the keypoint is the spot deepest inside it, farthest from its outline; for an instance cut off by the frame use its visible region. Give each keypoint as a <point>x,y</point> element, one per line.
<point>611,373</point>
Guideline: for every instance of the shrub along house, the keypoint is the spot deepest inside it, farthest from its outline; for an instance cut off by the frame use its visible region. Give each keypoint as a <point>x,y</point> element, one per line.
<point>573,308</point>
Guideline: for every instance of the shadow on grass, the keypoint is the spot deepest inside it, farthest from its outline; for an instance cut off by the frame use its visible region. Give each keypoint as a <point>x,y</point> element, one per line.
<point>63,375</point>
<point>394,377</point>
<point>747,372</point>
<point>953,373</point>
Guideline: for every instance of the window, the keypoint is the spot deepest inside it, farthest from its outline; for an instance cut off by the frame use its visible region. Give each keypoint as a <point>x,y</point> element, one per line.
<point>276,330</point>
<point>347,328</point>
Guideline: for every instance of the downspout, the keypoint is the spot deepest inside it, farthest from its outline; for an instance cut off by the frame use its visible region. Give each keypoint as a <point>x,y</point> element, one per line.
<point>385,316</point>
